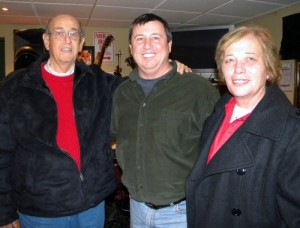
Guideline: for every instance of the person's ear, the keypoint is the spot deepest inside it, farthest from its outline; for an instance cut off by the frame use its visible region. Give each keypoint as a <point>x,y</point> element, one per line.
<point>130,48</point>
<point>81,43</point>
<point>170,46</point>
<point>46,41</point>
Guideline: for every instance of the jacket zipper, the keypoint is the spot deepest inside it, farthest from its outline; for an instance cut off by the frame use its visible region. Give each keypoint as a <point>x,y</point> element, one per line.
<point>47,91</point>
<point>75,83</point>
<point>81,176</point>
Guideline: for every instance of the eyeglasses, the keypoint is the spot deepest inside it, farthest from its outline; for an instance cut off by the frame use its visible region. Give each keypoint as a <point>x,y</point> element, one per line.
<point>73,35</point>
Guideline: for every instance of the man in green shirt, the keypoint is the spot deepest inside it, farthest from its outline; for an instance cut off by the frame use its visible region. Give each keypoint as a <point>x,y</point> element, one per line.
<point>157,120</point>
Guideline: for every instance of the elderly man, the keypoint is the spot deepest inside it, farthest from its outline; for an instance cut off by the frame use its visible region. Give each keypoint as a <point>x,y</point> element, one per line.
<point>55,163</point>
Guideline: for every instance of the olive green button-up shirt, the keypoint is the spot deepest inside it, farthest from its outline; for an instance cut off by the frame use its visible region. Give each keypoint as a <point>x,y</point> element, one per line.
<point>158,135</point>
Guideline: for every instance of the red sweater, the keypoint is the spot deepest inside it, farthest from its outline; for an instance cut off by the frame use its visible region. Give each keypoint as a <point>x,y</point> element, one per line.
<point>226,129</point>
<point>62,91</point>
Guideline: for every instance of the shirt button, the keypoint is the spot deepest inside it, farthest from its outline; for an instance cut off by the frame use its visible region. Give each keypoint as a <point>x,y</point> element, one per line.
<point>241,171</point>
<point>236,212</point>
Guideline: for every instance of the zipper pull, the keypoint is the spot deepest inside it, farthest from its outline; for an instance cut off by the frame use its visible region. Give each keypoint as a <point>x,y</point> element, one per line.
<point>81,177</point>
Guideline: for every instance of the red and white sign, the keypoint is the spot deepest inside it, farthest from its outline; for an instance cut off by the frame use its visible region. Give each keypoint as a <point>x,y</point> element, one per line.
<point>99,40</point>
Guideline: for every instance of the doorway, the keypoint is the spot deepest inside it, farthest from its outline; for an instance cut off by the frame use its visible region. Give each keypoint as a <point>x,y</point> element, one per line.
<point>2,58</point>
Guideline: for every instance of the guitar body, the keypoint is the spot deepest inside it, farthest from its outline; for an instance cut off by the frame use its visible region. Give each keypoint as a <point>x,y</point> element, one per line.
<point>118,71</point>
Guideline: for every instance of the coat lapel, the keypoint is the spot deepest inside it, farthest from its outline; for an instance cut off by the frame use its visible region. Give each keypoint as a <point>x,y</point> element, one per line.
<point>233,155</point>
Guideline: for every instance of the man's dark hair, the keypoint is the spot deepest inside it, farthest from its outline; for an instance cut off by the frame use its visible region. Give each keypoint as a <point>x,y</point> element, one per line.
<point>147,17</point>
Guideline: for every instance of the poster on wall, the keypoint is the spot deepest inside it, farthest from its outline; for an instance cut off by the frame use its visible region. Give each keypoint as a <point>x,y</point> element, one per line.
<point>101,45</point>
<point>287,82</point>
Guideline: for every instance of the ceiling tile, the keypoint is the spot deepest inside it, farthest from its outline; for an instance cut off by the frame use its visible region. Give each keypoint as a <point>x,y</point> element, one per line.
<point>117,13</point>
<point>172,17</point>
<point>109,23</point>
<point>71,2</point>
<point>130,3</point>
<point>51,10</point>
<point>282,2</point>
<point>244,8</point>
<point>209,19</point>
<point>191,5</point>
<point>24,9</point>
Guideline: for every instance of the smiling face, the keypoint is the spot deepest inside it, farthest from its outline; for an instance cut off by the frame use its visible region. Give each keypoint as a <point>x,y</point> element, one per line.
<point>150,49</point>
<point>244,70</point>
<point>63,50</point>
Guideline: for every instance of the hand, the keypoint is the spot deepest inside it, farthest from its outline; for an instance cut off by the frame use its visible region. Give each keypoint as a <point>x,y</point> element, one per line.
<point>11,225</point>
<point>181,68</point>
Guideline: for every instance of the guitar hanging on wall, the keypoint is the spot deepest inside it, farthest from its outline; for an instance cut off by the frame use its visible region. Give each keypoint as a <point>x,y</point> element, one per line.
<point>130,62</point>
<point>100,54</point>
<point>118,69</point>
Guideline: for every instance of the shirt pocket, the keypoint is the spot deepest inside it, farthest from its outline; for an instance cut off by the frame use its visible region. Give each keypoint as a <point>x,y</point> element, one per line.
<point>175,128</point>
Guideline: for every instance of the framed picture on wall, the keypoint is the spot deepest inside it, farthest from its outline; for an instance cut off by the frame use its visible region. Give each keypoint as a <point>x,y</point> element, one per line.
<point>87,55</point>
<point>287,82</point>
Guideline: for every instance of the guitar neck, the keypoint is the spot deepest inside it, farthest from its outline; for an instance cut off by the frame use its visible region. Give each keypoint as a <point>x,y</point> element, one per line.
<point>100,54</point>
<point>99,57</point>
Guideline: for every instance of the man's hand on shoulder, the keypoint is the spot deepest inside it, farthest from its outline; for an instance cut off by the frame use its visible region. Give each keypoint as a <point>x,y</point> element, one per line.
<point>181,68</point>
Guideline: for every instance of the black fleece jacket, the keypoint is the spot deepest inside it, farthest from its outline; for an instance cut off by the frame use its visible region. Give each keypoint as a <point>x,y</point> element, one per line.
<point>36,176</point>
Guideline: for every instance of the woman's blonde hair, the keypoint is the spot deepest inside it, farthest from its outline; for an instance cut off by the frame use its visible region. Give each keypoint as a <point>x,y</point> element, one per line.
<point>271,55</point>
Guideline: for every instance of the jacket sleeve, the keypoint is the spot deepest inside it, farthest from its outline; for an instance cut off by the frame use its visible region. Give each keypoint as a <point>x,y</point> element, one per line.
<point>288,180</point>
<point>8,212</point>
<point>113,125</point>
<point>112,82</point>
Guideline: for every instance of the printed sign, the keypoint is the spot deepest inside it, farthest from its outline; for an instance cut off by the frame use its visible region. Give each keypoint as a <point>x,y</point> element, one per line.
<point>99,40</point>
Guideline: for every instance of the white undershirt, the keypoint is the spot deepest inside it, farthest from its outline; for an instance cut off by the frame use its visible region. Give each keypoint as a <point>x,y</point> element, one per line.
<point>238,113</point>
<point>49,69</point>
